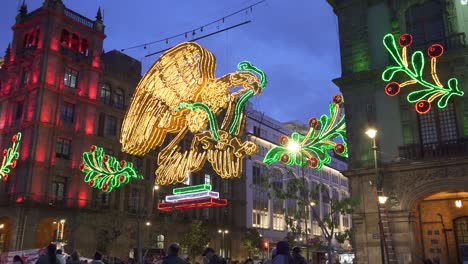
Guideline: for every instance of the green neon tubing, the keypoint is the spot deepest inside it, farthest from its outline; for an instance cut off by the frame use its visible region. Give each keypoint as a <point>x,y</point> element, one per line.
<point>191,189</point>
<point>240,105</point>
<point>211,116</point>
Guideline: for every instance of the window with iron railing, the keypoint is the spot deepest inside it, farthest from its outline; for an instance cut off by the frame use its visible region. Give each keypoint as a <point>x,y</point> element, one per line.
<point>59,188</point>
<point>438,125</point>
<point>425,22</point>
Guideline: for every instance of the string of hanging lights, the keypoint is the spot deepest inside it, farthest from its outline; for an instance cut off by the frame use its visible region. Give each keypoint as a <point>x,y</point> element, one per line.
<point>200,28</point>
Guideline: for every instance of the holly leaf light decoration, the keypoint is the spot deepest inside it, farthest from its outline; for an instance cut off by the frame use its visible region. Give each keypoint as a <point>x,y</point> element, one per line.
<point>105,172</point>
<point>313,149</point>
<point>430,91</point>
<point>10,156</point>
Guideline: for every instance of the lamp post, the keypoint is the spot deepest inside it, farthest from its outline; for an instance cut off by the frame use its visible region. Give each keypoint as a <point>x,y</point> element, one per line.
<point>372,133</point>
<point>295,147</point>
<point>223,232</point>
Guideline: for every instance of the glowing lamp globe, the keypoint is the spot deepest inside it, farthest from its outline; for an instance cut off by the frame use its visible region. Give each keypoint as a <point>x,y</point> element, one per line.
<point>371,132</point>
<point>294,147</point>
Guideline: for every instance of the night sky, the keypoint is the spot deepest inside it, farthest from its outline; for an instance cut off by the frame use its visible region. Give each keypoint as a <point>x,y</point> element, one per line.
<point>294,42</point>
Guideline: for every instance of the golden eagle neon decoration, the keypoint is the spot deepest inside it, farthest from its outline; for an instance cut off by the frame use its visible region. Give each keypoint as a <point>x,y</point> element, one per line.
<point>181,98</point>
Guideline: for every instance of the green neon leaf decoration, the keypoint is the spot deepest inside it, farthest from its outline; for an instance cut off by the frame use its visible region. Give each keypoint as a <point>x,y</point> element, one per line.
<point>430,91</point>
<point>313,149</point>
<point>10,156</point>
<point>104,172</point>
<point>214,127</point>
<point>240,105</point>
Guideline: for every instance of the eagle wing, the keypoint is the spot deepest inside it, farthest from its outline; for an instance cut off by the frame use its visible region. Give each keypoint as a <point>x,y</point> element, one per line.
<point>179,75</point>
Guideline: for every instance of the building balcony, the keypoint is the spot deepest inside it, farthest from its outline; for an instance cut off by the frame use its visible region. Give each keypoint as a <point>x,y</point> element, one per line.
<point>30,199</point>
<point>450,42</point>
<point>451,148</point>
<point>75,55</point>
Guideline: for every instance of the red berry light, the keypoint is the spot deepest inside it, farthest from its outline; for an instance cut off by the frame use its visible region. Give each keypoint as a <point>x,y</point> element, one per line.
<point>105,187</point>
<point>91,183</point>
<point>122,178</point>
<point>339,149</point>
<point>422,106</point>
<point>5,177</point>
<point>13,164</point>
<point>93,148</point>
<point>14,138</point>
<point>105,158</point>
<point>81,167</point>
<point>5,152</point>
<point>313,122</point>
<point>405,40</point>
<point>122,163</point>
<point>284,158</point>
<point>435,50</point>
<point>338,99</point>
<point>313,162</point>
<point>392,88</point>
<point>283,140</point>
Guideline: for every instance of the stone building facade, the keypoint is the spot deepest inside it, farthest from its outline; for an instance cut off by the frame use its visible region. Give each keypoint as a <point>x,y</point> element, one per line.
<point>422,158</point>
<point>64,94</point>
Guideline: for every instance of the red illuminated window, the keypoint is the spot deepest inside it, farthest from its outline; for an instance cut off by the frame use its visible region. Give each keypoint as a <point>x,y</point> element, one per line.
<point>84,47</point>
<point>62,148</point>
<point>71,78</point>
<point>75,42</point>
<point>67,113</point>
<point>19,110</point>
<point>25,77</point>
<point>65,38</point>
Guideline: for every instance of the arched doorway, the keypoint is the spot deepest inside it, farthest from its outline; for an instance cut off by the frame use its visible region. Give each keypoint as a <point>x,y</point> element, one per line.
<point>461,235</point>
<point>441,226</point>
<point>49,230</point>
<point>6,224</point>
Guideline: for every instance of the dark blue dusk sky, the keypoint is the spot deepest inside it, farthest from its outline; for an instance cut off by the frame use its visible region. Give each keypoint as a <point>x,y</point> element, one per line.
<point>294,42</point>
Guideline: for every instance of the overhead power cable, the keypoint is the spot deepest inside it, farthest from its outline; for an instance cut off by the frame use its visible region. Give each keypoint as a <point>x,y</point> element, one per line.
<point>192,31</point>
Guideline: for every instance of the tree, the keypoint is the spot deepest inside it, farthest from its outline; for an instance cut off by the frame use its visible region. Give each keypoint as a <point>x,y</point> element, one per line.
<point>252,241</point>
<point>195,239</point>
<point>299,190</point>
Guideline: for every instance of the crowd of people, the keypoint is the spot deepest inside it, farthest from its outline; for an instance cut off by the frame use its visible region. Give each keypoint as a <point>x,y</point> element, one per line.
<point>279,255</point>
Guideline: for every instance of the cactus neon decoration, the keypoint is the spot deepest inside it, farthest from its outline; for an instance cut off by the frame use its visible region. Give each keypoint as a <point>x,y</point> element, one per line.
<point>430,91</point>
<point>312,149</point>
<point>105,172</point>
<point>10,156</point>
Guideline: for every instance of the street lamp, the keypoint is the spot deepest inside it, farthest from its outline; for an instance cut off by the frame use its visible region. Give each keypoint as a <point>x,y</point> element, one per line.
<point>223,232</point>
<point>296,148</point>
<point>382,199</point>
<point>372,133</point>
